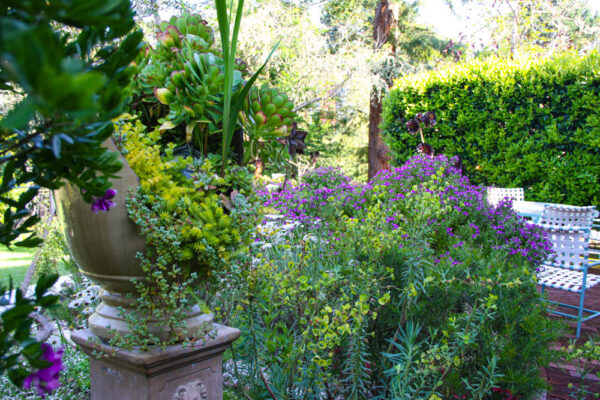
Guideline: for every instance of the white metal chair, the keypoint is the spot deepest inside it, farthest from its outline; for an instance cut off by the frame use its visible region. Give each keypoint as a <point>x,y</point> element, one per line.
<point>566,216</point>
<point>496,194</point>
<point>568,268</point>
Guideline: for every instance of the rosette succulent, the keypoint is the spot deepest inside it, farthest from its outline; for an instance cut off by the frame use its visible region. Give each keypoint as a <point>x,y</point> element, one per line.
<point>191,26</point>
<point>181,81</point>
<point>416,125</point>
<point>268,115</point>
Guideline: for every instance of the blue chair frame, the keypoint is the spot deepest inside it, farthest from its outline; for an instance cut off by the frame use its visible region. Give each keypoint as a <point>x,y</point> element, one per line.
<point>568,268</point>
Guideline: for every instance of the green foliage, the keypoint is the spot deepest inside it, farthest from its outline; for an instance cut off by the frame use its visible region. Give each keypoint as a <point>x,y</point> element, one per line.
<point>74,379</point>
<point>53,252</point>
<point>194,89</point>
<point>531,124</point>
<point>68,64</point>
<point>540,27</point>
<point>268,115</point>
<point>328,303</point>
<point>19,351</point>
<point>583,357</point>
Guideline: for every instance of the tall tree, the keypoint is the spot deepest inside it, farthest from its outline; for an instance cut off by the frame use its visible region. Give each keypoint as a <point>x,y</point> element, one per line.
<point>408,44</point>
<point>540,27</point>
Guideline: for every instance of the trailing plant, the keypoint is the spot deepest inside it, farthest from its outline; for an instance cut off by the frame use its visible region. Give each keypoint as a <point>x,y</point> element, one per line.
<point>193,205</point>
<point>192,220</point>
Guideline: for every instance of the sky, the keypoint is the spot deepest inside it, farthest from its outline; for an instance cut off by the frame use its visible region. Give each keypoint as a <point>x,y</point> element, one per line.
<point>438,15</point>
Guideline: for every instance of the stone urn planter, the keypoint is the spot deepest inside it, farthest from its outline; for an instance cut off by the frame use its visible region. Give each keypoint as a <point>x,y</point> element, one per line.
<point>104,247</point>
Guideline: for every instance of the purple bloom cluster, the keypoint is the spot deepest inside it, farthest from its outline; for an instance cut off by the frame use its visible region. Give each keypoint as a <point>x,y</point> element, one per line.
<point>323,187</point>
<point>467,217</point>
<point>47,379</point>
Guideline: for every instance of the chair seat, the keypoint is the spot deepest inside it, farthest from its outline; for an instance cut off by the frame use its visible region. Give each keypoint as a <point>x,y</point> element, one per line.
<point>564,279</point>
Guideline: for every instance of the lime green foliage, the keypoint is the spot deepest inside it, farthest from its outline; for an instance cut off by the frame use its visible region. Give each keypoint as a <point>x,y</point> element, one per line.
<point>192,219</point>
<point>584,358</point>
<point>529,123</point>
<point>408,288</point>
<point>186,196</point>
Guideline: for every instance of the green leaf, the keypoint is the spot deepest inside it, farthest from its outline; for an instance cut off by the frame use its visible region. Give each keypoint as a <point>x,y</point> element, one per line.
<point>44,283</point>
<point>20,115</point>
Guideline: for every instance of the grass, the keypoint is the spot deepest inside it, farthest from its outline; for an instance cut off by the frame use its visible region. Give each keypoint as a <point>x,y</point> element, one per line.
<point>14,263</point>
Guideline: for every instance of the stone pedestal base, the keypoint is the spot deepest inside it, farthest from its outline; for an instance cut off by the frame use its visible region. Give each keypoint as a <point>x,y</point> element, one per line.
<point>176,373</point>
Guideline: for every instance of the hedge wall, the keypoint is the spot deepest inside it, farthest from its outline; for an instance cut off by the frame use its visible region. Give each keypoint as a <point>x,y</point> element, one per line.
<point>532,124</point>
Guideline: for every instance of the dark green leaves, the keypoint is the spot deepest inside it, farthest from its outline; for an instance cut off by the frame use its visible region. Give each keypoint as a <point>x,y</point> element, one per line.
<point>73,85</point>
<point>532,124</point>
<point>19,351</point>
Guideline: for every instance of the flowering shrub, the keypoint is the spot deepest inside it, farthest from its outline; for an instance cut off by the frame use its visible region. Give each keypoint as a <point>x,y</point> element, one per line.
<point>412,280</point>
<point>324,194</point>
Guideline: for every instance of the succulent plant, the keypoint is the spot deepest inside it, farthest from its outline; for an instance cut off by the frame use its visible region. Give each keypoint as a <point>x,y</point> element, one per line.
<point>294,141</point>
<point>181,84</point>
<point>191,26</point>
<point>270,113</point>
<point>153,75</point>
<point>416,125</point>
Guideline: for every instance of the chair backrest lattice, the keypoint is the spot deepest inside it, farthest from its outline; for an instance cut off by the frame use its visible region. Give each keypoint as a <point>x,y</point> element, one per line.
<point>495,194</point>
<point>570,247</point>
<point>568,217</point>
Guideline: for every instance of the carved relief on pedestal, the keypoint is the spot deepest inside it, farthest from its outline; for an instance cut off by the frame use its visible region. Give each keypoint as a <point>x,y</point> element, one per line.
<point>194,390</point>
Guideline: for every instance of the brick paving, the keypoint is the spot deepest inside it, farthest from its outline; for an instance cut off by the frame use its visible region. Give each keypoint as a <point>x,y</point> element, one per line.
<point>559,376</point>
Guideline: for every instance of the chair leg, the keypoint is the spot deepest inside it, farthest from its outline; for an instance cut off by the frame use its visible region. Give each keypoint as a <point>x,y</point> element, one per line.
<point>580,313</point>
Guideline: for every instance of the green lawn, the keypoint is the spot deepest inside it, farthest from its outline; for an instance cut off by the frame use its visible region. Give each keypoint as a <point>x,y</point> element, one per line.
<point>14,264</point>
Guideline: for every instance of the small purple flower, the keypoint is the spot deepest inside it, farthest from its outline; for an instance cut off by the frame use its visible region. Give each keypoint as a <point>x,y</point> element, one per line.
<point>105,202</point>
<point>46,379</point>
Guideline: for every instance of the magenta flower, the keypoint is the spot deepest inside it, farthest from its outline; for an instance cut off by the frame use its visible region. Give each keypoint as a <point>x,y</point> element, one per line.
<point>104,203</point>
<point>46,379</point>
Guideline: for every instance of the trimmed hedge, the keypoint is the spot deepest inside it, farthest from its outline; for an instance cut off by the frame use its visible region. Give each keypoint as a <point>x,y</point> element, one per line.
<point>532,124</point>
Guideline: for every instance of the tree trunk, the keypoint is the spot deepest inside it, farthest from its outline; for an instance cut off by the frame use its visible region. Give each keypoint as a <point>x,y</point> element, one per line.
<point>378,157</point>
<point>378,152</point>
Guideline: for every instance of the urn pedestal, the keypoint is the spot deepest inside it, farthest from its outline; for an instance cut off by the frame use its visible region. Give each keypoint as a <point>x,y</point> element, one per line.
<point>179,372</point>
<point>105,246</point>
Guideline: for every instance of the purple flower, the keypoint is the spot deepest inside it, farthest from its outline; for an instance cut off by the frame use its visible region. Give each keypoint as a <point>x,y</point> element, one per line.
<point>104,203</point>
<point>46,379</point>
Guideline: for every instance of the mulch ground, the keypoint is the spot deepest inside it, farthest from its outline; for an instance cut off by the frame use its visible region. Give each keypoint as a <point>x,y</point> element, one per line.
<point>559,376</point>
